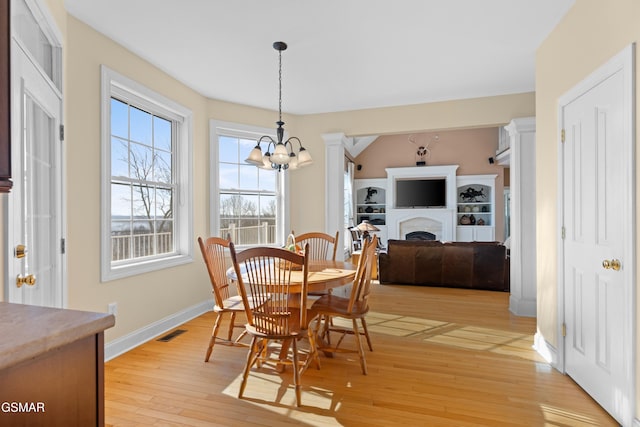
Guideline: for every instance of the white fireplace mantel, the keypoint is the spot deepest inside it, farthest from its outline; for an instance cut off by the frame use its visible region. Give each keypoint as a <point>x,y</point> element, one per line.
<point>445,216</point>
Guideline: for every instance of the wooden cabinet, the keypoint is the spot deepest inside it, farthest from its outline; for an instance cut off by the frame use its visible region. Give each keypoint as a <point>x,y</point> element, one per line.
<point>371,204</point>
<point>51,366</point>
<point>355,258</point>
<point>475,211</point>
<point>5,99</point>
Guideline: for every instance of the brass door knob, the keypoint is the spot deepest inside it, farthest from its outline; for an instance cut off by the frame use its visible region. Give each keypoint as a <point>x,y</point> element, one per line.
<point>613,264</point>
<point>27,280</point>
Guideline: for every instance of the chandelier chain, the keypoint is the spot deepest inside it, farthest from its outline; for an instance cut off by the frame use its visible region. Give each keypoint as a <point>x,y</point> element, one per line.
<point>280,85</point>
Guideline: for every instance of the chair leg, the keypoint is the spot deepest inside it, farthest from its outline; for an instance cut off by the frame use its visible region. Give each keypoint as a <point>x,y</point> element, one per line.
<point>366,333</point>
<point>313,350</point>
<point>356,334</point>
<point>296,372</point>
<point>232,323</point>
<point>252,355</point>
<point>241,336</point>
<point>324,337</point>
<point>262,355</point>
<point>214,334</point>
<point>326,332</point>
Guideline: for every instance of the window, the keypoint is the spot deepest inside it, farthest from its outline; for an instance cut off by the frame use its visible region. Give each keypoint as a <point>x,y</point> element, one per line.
<point>247,202</point>
<point>146,186</point>
<point>348,204</point>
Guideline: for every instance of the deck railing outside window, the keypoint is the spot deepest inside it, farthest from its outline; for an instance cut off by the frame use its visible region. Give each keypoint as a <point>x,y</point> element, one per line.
<point>140,245</point>
<point>263,234</point>
<point>143,245</point>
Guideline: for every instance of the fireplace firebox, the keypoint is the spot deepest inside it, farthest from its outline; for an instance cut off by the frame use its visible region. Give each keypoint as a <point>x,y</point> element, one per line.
<point>420,235</point>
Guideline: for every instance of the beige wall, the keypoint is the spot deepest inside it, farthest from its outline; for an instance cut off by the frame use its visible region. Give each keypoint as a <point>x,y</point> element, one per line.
<point>592,32</point>
<point>59,14</point>
<point>469,148</point>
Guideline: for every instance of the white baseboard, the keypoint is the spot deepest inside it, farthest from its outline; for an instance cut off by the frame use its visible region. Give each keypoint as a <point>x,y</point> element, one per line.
<point>522,307</point>
<point>127,342</point>
<point>546,350</point>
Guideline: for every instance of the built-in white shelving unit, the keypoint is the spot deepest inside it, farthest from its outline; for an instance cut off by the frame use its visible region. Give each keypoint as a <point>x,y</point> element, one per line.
<point>371,204</point>
<point>476,216</point>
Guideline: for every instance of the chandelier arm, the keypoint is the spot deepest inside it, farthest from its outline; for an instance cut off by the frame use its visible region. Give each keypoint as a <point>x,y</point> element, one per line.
<point>271,141</point>
<point>292,138</point>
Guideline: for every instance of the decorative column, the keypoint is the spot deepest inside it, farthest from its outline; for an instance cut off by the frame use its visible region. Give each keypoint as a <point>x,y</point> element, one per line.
<point>522,135</point>
<point>334,187</point>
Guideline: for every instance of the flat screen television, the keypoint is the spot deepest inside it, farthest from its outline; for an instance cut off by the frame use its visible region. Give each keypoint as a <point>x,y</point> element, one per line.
<point>421,193</point>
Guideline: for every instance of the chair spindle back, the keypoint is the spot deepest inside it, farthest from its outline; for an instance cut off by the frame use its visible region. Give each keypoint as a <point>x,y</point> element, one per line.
<point>264,278</point>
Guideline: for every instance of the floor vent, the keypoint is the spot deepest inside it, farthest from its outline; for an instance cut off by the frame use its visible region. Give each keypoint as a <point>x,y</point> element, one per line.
<point>172,335</point>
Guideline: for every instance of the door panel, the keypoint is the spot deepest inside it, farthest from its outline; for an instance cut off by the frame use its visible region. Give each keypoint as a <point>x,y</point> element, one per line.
<point>595,193</point>
<point>34,207</point>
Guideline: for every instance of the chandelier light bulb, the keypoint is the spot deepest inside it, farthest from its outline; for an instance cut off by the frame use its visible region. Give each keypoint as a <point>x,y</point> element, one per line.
<point>280,155</point>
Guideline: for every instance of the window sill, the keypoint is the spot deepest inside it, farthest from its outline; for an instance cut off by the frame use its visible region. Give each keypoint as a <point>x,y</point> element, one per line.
<point>119,272</point>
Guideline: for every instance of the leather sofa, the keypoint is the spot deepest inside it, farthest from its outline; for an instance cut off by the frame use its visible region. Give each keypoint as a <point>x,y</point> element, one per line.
<point>471,265</point>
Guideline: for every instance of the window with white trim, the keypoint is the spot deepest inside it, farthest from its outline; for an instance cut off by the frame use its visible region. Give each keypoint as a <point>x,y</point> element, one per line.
<point>146,182</point>
<point>248,203</point>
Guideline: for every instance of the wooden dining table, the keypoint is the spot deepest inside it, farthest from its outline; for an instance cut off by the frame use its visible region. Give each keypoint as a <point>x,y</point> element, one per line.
<point>323,275</point>
<point>326,274</point>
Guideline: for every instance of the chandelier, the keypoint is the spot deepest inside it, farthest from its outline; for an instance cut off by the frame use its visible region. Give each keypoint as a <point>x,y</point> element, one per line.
<point>283,155</point>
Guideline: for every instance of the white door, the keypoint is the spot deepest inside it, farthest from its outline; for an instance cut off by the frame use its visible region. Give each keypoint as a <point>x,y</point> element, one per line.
<point>598,262</point>
<point>35,222</point>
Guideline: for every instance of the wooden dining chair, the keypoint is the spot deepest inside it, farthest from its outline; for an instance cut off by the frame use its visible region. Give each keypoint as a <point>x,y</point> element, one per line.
<point>276,308</point>
<point>321,245</point>
<point>353,308</point>
<point>213,253</point>
<point>356,239</point>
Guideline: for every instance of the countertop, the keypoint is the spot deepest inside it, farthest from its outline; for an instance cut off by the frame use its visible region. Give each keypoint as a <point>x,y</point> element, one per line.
<point>27,331</point>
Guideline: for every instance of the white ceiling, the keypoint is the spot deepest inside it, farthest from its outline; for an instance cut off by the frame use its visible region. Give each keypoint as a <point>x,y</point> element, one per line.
<point>342,55</point>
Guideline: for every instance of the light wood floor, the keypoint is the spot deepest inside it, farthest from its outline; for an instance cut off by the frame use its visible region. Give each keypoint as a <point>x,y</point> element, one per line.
<point>442,357</point>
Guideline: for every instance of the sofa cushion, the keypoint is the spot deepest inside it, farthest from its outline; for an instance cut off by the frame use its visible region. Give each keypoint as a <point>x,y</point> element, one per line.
<point>485,273</point>
<point>457,265</point>
<point>429,264</point>
<point>402,269</point>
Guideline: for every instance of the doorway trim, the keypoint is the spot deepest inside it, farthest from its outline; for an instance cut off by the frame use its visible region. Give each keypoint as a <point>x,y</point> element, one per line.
<point>624,61</point>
